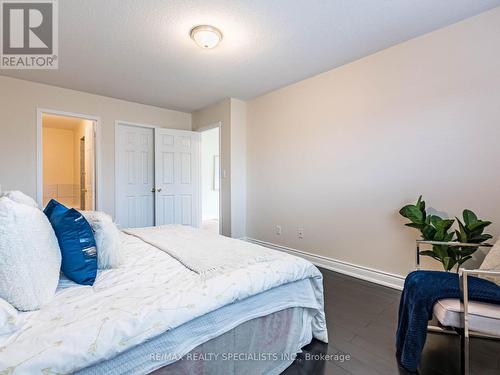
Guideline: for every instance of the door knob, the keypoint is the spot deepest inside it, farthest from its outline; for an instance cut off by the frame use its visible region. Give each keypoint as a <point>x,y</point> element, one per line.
<point>153,190</point>
<point>158,190</point>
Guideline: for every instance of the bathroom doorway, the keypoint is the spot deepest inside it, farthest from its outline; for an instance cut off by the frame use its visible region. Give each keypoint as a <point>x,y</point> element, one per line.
<point>68,160</point>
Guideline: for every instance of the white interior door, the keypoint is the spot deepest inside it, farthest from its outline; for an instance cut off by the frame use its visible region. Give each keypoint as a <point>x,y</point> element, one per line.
<point>177,177</point>
<point>134,176</point>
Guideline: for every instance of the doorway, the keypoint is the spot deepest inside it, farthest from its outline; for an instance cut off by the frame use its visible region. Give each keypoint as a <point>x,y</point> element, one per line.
<point>210,178</point>
<point>67,160</point>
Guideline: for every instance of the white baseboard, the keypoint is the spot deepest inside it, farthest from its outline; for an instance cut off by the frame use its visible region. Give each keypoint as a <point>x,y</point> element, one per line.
<point>375,276</point>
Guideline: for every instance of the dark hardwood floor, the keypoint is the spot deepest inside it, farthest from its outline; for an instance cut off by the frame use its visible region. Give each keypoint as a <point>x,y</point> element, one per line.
<point>362,319</point>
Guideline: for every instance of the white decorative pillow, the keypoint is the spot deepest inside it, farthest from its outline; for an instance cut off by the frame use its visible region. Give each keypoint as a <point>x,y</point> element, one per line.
<point>20,197</point>
<point>107,239</point>
<point>9,318</point>
<point>30,259</point>
<point>492,262</point>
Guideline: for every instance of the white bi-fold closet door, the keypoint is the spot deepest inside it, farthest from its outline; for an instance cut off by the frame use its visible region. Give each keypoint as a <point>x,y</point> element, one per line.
<point>157,176</point>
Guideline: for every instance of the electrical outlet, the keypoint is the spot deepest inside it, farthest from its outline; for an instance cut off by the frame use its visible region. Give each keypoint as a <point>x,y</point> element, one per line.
<point>278,230</point>
<point>300,233</point>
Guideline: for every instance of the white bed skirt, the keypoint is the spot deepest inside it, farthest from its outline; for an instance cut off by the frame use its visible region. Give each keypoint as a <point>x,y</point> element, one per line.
<point>267,329</point>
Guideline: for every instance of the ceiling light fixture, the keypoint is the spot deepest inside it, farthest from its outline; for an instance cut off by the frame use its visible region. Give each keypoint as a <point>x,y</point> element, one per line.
<point>206,36</point>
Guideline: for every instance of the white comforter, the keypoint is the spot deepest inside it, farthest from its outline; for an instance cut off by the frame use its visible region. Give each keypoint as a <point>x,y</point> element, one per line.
<point>150,294</point>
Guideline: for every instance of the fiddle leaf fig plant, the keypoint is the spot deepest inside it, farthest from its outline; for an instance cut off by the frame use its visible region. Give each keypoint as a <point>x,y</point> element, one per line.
<point>435,228</point>
<point>432,228</point>
<point>470,231</point>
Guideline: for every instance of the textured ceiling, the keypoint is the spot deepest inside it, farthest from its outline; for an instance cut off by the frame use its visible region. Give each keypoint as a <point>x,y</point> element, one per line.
<point>141,50</point>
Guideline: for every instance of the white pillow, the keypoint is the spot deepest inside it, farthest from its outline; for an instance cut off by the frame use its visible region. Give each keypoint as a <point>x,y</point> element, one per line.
<point>9,318</point>
<point>30,259</point>
<point>20,197</point>
<point>107,239</point>
<point>492,262</point>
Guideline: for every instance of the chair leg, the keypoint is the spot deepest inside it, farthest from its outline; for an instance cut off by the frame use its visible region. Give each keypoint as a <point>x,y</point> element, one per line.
<point>465,322</point>
<point>464,353</point>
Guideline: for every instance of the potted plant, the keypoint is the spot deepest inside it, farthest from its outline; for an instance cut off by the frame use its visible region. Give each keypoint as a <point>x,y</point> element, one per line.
<point>435,228</point>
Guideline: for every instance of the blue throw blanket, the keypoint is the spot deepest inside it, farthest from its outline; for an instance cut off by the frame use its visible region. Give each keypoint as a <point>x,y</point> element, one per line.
<point>422,290</point>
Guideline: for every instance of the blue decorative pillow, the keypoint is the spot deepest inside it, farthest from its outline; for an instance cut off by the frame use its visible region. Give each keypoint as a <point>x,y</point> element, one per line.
<point>76,241</point>
<point>54,208</point>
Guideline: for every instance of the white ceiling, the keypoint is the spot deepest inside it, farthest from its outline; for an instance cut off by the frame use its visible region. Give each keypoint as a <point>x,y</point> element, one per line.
<point>141,50</point>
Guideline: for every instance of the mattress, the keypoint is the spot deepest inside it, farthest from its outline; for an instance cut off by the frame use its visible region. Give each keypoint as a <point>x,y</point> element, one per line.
<point>151,294</point>
<point>291,333</point>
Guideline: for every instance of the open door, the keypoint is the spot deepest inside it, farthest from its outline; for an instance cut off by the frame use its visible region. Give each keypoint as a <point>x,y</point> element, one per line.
<point>177,177</point>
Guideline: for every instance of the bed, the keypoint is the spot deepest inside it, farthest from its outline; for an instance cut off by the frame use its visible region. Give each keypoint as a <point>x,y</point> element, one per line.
<point>154,314</point>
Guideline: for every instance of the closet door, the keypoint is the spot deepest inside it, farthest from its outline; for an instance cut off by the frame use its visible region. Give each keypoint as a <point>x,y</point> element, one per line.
<point>177,170</point>
<point>134,176</point>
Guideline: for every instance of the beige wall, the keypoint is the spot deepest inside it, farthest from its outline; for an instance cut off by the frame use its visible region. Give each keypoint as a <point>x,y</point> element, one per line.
<point>18,104</point>
<point>238,168</point>
<point>209,195</point>
<point>59,158</point>
<point>338,154</point>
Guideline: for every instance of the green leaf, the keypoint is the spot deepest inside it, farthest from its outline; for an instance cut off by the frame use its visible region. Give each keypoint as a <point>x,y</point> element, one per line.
<point>412,213</point>
<point>428,253</point>
<point>440,235</point>
<point>436,221</point>
<point>454,251</point>
<point>413,225</point>
<point>461,233</point>
<point>451,264</point>
<point>446,263</point>
<point>480,238</point>
<point>469,217</point>
<point>447,224</point>
<point>428,232</point>
<point>440,251</point>
<point>420,204</point>
<point>404,210</point>
<point>478,225</point>
<point>465,251</point>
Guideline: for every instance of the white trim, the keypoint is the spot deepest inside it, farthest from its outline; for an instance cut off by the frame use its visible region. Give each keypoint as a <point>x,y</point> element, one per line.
<point>151,126</point>
<point>97,193</point>
<point>217,124</point>
<point>129,123</point>
<point>201,130</point>
<point>364,273</point>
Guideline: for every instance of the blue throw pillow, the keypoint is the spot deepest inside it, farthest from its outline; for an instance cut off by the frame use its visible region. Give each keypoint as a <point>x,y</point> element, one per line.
<point>54,208</point>
<point>76,241</point>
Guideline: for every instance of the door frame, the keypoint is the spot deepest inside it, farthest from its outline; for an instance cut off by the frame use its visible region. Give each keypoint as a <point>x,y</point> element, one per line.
<point>151,126</point>
<point>97,177</point>
<point>200,130</point>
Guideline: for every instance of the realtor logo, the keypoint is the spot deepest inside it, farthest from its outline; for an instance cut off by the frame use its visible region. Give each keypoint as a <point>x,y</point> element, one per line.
<point>29,38</point>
